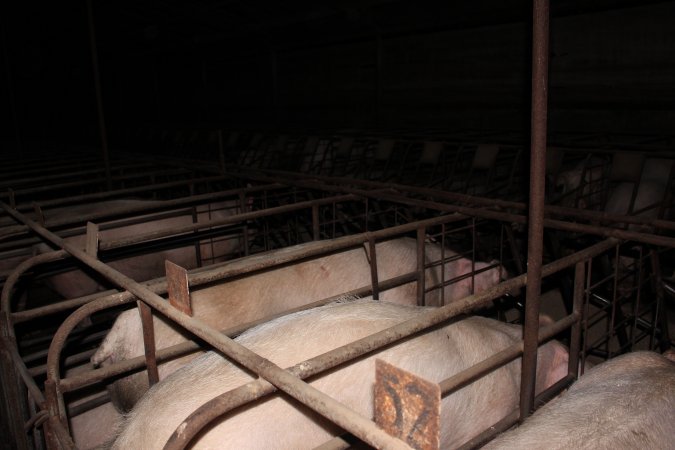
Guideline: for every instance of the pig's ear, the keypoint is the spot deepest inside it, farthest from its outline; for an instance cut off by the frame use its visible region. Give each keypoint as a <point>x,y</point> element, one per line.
<point>552,365</point>
<point>545,319</point>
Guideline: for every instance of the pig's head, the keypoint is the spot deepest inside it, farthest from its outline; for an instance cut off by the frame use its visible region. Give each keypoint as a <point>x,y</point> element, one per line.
<point>481,281</point>
<point>123,341</point>
<point>552,365</point>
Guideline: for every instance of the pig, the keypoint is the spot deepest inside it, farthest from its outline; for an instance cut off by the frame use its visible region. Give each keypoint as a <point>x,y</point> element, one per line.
<point>625,403</point>
<point>240,301</point>
<point>649,195</point>
<point>145,266</point>
<point>651,191</point>
<point>96,426</point>
<point>584,181</point>
<point>278,422</point>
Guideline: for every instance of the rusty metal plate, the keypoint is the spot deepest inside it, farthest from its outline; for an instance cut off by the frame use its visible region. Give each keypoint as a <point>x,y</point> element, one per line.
<point>92,239</point>
<point>177,287</point>
<point>407,406</point>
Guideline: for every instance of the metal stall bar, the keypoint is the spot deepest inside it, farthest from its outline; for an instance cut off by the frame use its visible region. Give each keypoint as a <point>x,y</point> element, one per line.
<point>535,233</point>
<point>509,217</point>
<point>316,400</point>
<point>251,391</point>
<point>402,191</point>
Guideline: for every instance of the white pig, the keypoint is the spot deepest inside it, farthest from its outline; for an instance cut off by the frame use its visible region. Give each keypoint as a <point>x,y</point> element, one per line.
<point>275,291</point>
<point>96,426</point>
<point>281,423</point>
<point>625,403</point>
<point>145,266</point>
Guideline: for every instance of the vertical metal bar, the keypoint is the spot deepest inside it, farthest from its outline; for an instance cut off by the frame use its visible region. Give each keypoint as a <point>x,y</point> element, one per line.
<point>540,18</point>
<point>12,420</point>
<point>373,269</point>
<point>420,267</point>
<point>39,214</point>
<point>92,239</point>
<point>99,97</point>
<point>149,341</point>
<point>55,404</point>
<point>315,222</point>
<point>243,207</point>
<point>198,244</point>
<point>575,331</point>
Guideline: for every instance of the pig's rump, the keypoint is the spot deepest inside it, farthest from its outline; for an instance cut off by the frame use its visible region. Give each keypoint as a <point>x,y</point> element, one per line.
<point>625,403</point>
<point>280,422</point>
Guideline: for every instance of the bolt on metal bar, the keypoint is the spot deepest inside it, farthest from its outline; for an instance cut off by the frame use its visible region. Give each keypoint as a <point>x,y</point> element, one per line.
<point>314,399</point>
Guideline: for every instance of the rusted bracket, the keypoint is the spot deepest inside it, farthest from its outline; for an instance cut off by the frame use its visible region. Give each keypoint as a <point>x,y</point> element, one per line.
<point>149,345</point>
<point>177,287</point>
<point>92,240</point>
<point>407,407</point>
<point>39,214</point>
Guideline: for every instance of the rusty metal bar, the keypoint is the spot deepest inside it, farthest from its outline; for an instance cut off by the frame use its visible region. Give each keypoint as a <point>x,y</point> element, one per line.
<point>315,223</point>
<point>316,400</point>
<point>420,269</point>
<point>13,419</point>
<point>575,332</point>
<point>372,260</point>
<point>503,357</point>
<point>535,234</point>
<point>607,232</point>
<point>233,268</point>
<point>148,325</point>
<point>92,239</point>
<point>148,206</point>
<point>323,183</point>
<point>256,389</point>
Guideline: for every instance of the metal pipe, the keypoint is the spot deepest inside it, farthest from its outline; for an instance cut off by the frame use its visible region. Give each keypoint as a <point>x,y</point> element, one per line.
<point>535,233</point>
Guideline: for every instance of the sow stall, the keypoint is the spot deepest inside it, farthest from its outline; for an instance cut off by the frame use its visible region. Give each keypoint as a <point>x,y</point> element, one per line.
<point>390,210</point>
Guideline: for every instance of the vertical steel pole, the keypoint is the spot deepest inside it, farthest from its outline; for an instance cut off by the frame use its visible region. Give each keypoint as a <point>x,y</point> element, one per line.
<point>536,211</point>
<point>99,98</point>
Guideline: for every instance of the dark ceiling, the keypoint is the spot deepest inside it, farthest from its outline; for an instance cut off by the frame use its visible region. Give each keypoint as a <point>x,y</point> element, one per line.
<point>175,25</point>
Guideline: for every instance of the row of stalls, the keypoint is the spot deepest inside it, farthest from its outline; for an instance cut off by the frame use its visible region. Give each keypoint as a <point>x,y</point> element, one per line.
<point>252,203</point>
